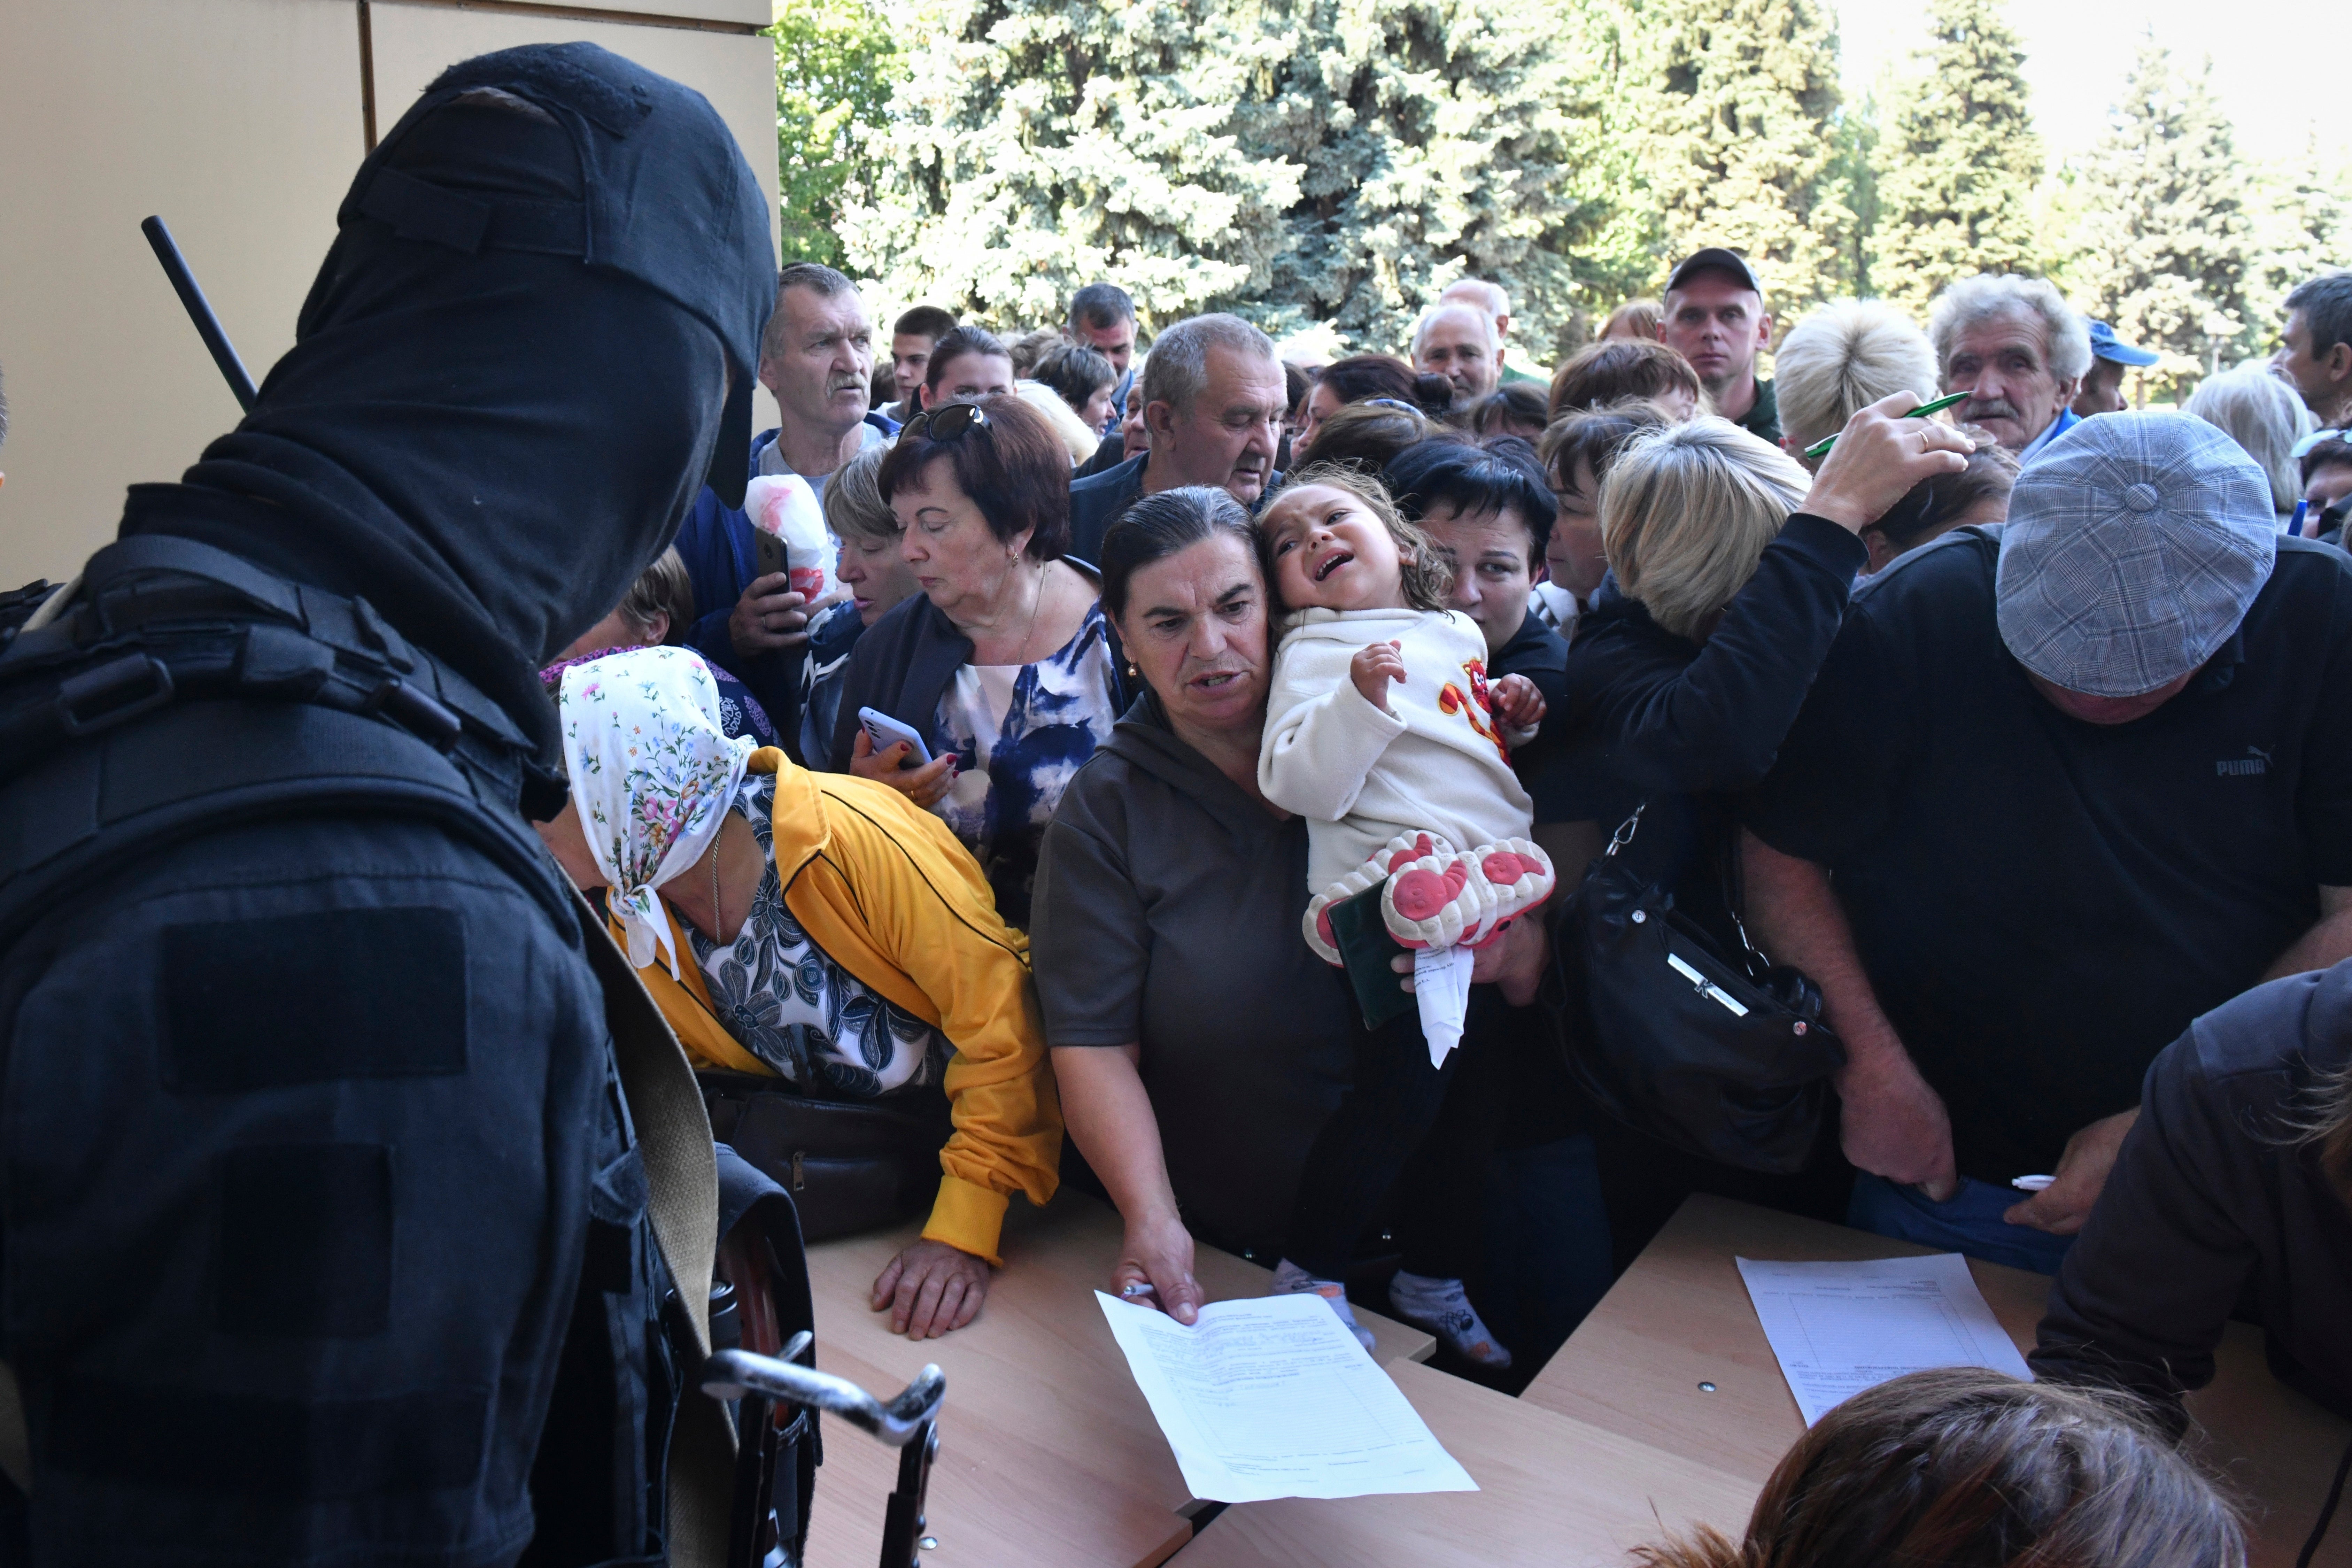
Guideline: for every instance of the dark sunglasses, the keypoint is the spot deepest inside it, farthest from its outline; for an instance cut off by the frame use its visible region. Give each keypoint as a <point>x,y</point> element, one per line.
<point>949,422</point>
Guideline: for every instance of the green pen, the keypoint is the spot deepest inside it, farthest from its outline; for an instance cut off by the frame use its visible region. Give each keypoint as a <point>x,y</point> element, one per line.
<point>1826,442</point>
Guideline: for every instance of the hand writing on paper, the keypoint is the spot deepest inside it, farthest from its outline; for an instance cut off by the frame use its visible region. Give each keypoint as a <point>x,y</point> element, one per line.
<point>2063,1206</point>
<point>931,1287</point>
<point>1158,1253</point>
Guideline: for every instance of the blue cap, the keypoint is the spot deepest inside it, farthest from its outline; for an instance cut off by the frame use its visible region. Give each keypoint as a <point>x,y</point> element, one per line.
<point>2106,345</point>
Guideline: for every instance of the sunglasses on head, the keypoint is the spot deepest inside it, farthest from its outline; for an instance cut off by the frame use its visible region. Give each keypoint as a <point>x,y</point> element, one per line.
<point>949,422</point>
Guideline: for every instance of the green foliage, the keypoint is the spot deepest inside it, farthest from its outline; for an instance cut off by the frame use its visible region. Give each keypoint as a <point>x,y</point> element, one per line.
<point>2165,237</point>
<point>2302,223</point>
<point>837,68</point>
<point>1299,162</point>
<point>1736,103</point>
<point>1957,168</point>
<point>1433,141</point>
<point>1043,145</point>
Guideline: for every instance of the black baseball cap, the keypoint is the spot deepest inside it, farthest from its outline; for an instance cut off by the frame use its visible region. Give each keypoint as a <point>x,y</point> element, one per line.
<point>1714,259</point>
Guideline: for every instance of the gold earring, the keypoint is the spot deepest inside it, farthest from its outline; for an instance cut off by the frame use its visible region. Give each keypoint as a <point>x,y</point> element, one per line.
<point>1131,671</point>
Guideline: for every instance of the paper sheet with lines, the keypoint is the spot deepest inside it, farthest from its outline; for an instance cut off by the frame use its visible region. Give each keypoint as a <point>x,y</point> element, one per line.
<point>1840,1327</point>
<point>1272,1399</point>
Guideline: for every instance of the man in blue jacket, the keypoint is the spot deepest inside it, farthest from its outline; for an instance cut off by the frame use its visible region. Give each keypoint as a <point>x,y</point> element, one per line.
<point>1214,399</point>
<point>817,359</point>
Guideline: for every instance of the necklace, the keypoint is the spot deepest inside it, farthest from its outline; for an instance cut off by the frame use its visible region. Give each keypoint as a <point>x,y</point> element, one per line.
<point>718,916</point>
<point>1037,600</point>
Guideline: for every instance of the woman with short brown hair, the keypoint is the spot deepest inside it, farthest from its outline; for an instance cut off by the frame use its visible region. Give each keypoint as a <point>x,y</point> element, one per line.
<point>1962,1467</point>
<point>1003,664</point>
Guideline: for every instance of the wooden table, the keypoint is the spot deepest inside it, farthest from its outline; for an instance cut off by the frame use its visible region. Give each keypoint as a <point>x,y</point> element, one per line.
<point>1681,1317</point>
<point>1552,1491</point>
<point>1048,1454</point>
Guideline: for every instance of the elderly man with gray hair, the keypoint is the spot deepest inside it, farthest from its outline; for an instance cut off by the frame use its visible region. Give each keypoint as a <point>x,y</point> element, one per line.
<point>2058,789</point>
<point>1492,298</point>
<point>1458,342</point>
<point>2019,350</point>
<point>1213,401</point>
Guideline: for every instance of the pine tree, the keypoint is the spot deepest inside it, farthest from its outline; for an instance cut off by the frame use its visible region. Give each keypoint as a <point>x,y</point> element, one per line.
<point>1740,106</point>
<point>1957,167</point>
<point>2165,236</point>
<point>2302,223</point>
<point>1039,145</point>
<point>1434,137</point>
<point>1305,162</point>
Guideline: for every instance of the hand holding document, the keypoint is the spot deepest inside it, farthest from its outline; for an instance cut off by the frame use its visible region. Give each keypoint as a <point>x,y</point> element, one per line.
<point>1838,1328</point>
<point>1273,1398</point>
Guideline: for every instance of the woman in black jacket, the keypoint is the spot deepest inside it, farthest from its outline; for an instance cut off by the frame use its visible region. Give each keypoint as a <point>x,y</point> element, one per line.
<point>1732,578</point>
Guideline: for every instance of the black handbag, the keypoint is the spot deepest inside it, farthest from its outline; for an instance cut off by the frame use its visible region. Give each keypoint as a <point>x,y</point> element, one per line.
<point>1721,1055</point>
<point>850,1165</point>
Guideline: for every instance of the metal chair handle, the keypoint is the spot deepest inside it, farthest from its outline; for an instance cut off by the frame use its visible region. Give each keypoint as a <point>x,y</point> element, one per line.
<point>728,1372</point>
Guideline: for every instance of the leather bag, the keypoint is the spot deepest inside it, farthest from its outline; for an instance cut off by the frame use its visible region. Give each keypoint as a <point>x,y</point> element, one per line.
<point>850,1165</point>
<point>1721,1054</point>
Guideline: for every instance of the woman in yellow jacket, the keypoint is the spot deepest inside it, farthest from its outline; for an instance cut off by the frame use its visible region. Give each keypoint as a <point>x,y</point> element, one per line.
<point>819,927</point>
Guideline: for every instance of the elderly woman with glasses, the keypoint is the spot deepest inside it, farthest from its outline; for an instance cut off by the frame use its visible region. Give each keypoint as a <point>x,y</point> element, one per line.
<point>1003,664</point>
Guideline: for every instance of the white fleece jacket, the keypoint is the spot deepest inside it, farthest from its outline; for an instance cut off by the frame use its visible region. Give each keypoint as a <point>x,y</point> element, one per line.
<point>1435,763</point>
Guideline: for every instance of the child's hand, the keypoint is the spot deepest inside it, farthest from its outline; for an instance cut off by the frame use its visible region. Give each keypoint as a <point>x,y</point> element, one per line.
<point>1516,700</point>
<point>1373,667</point>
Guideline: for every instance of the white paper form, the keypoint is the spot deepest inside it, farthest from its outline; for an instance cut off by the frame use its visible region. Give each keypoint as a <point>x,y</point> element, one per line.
<point>1273,1398</point>
<point>1838,1328</point>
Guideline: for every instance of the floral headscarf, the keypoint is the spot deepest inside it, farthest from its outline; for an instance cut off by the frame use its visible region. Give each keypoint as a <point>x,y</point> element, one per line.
<point>653,774</point>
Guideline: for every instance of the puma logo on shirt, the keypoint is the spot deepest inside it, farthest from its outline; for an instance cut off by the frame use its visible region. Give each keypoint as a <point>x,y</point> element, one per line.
<point>2255,760</point>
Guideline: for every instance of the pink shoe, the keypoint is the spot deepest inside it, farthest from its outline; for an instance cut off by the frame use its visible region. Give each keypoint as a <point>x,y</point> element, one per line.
<point>1444,898</point>
<point>1401,851</point>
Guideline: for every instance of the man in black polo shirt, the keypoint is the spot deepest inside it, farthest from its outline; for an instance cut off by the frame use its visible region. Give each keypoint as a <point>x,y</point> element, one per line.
<point>2076,785</point>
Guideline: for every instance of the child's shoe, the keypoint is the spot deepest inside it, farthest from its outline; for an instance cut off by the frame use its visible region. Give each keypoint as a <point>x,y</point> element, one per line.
<point>1400,851</point>
<point>1443,1307</point>
<point>1289,1279</point>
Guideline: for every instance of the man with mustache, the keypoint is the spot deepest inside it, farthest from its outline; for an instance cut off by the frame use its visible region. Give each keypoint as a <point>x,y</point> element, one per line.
<point>817,359</point>
<point>2019,350</point>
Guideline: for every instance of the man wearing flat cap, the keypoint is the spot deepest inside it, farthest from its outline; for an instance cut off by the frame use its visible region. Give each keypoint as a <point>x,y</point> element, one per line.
<point>2061,787</point>
<point>325,1236</point>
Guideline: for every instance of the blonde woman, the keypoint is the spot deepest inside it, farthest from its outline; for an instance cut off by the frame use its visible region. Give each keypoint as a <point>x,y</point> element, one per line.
<point>1839,360</point>
<point>1734,567</point>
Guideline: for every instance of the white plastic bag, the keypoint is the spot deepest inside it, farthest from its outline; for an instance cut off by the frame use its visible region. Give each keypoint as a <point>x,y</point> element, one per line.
<point>784,507</point>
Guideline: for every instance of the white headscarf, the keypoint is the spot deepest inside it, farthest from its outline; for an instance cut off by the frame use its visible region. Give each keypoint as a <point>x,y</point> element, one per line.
<point>653,774</point>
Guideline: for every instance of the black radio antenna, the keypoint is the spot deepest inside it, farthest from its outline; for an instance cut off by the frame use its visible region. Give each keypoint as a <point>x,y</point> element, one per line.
<point>200,310</point>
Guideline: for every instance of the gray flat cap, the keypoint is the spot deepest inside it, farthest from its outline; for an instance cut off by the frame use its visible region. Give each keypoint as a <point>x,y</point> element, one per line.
<point>2134,546</point>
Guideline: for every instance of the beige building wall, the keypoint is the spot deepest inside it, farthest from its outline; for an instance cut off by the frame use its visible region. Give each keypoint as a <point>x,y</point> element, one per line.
<point>240,121</point>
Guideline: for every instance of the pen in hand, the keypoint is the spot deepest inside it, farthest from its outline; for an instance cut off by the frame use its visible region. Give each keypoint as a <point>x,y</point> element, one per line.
<point>1826,442</point>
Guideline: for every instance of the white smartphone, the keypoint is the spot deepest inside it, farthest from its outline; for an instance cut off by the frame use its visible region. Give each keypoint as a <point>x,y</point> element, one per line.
<point>885,732</point>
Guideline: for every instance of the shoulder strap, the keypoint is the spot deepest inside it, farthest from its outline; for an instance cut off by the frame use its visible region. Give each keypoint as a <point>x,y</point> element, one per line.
<point>673,1134</point>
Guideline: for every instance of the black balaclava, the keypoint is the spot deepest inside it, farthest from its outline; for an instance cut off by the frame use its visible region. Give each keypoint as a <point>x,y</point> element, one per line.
<point>534,337</point>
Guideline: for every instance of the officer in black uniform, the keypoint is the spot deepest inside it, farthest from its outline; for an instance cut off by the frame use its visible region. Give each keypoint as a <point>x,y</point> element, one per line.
<point>318,1191</point>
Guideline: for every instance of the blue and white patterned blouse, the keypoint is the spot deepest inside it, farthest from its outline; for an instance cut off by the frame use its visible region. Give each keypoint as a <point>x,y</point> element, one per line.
<point>787,1001</point>
<point>1018,733</point>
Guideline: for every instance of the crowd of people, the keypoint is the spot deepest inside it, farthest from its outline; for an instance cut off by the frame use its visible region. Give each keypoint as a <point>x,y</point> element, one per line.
<point>2015,731</point>
<point>1188,726</point>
